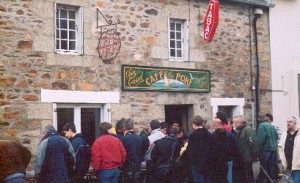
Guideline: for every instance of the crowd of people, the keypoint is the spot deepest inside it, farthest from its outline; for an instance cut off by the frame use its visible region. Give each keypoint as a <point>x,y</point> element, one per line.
<point>222,151</point>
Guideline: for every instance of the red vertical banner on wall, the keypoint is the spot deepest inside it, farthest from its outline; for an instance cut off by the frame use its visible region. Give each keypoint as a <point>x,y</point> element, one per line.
<point>211,20</point>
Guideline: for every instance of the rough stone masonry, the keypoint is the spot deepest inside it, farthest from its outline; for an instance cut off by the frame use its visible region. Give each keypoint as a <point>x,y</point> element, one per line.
<point>28,62</point>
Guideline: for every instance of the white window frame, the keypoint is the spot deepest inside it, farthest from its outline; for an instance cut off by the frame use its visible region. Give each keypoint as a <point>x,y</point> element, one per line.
<point>184,39</point>
<point>77,113</point>
<point>78,29</point>
<point>236,103</point>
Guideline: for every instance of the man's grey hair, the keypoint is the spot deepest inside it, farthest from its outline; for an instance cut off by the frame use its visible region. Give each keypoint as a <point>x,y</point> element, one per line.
<point>48,128</point>
<point>239,118</point>
<point>129,124</point>
<point>294,118</point>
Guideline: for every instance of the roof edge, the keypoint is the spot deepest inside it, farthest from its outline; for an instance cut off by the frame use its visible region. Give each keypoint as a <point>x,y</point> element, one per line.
<point>257,3</point>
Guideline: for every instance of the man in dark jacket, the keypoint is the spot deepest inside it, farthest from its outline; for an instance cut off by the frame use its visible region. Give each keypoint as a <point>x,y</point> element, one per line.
<point>226,138</point>
<point>248,149</point>
<point>82,152</point>
<point>200,151</point>
<point>133,146</point>
<point>165,149</point>
<point>55,158</point>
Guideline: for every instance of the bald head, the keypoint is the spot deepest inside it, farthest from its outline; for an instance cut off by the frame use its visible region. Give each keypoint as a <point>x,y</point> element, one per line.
<point>216,123</point>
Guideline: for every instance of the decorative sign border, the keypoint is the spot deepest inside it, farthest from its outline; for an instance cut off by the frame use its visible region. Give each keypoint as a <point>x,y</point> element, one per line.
<point>145,78</point>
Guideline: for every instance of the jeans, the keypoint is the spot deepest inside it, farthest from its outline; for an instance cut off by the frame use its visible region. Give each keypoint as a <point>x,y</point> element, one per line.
<point>197,177</point>
<point>296,175</point>
<point>109,176</point>
<point>132,177</point>
<point>15,180</point>
<point>229,174</point>
<point>268,161</point>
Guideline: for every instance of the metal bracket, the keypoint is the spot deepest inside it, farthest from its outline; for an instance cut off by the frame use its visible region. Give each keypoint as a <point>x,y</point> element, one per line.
<point>109,22</point>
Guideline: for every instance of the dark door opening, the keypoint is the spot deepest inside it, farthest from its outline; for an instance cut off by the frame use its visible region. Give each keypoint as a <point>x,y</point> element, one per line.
<point>178,113</point>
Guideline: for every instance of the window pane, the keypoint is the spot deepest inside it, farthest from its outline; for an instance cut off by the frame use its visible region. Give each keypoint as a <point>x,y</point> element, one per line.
<point>179,53</point>
<point>178,35</point>
<point>57,34</point>
<point>172,35</point>
<point>172,44</point>
<point>90,118</point>
<point>72,25</point>
<point>63,13</point>
<point>63,24</point>
<point>72,15</point>
<point>72,45</point>
<point>178,27</point>
<point>64,115</point>
<point>172,52</point>
<point>57,23</point>
<point>64,45</point>
<point>57,13</point>
<point>57,44</point>
<point>72,35</point>
<point>178,45</point>
<point>172,26</point>
<point>64,34</point>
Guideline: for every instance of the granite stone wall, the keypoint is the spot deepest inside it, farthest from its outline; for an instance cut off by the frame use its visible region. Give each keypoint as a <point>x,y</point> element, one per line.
<point>28,62</point>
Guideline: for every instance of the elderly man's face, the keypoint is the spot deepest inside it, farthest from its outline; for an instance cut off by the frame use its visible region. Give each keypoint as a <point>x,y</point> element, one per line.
<point>291,125</point>
<point>237,123</point>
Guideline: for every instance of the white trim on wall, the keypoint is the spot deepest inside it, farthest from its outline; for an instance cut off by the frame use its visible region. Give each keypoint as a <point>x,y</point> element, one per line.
<point>237,103</point>
<point>64,96</point>
<point>294,95</point>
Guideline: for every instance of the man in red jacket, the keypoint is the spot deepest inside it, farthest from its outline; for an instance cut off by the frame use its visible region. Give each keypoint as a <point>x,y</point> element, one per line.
<point>108,154</point>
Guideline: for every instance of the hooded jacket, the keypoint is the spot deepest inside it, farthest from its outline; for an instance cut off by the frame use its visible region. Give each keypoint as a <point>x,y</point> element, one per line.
<point>55,159</point>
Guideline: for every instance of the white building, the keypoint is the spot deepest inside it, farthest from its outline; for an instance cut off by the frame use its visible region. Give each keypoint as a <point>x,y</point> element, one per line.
<point>285,57</point>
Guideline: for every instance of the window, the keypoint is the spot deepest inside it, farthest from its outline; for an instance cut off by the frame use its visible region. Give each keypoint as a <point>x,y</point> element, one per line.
<point>85,117</point>
<point>68,29</point>
<point>178,40</point>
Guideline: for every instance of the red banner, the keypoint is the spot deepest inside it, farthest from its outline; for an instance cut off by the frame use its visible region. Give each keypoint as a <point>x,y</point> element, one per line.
<point>211,20</point>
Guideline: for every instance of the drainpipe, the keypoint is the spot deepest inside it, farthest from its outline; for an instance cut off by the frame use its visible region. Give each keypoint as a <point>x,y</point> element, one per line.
<point>257,13</point>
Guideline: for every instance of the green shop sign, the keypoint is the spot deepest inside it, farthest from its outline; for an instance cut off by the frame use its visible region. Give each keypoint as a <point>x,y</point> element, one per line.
<point>164,79</point>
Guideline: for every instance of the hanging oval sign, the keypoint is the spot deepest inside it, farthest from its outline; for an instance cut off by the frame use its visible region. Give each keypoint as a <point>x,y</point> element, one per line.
<point>211,20</point>
<point>109,45</point>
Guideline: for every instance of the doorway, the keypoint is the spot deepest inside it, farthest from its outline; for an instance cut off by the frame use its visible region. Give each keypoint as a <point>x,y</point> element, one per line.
<point>178,113</point>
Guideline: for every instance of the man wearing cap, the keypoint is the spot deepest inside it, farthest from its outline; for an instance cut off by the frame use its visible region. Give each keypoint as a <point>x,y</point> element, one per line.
<point>267,138</point>
<point>289,148</point>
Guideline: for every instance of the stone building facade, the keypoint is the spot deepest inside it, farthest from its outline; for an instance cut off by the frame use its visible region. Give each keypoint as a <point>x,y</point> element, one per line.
<point>41,84</point>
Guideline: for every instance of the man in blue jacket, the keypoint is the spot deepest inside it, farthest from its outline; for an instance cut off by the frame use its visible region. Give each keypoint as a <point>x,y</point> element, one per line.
<point>133,145</point>
<point>82,152</point>
<point>55,158</point>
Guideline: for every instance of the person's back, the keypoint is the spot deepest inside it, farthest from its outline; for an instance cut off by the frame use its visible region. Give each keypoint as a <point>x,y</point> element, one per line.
<point>267,136</point>
<point>82,158</point>
<point>133,145</point>
<point>199,148</point>
<point>162,152</point>
<point>55,158</point>
<point>82,152</point>
<point>109,148</point>
<point>248,150</point>
<point>108,154</point>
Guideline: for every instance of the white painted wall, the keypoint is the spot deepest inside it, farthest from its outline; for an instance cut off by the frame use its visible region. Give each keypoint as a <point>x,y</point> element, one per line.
<point>285,58</point>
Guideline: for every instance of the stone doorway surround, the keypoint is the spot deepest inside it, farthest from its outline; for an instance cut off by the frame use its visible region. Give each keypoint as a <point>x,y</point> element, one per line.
<point>236,103</point>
